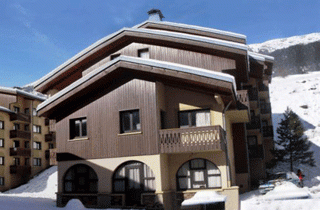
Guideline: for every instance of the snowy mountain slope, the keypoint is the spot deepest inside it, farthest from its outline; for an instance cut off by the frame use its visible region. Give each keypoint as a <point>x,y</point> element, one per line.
<point>277,44</point>
<point>302,94</point>
<point>293,55</point>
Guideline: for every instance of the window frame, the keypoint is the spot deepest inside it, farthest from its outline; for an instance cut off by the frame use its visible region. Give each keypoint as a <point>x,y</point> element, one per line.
<point>72,128</point>
<point>2,181</point>
<point>142,51</point>
<point>37,145</point>
<point>190,120</point>
<point>16,126</point>
<point>131,121</point>
<point>1,142</point>
<point>36,129</point>
<point>1,125</point>
<point>27,111</point>
<point>16,109</point>
<point>37,161</point>
<point>2,160</point>
<point>192,175</point>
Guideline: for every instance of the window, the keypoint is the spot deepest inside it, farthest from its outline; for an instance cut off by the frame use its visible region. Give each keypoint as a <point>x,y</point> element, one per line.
<point>16,144</point>
<point>130,121</point>
<point>198,174</point>
<point>26,127</point>
<point>1,124</point>
<point>112,57</point>
<point>78,128</point>
<point>36,128</point>
<point>16,126</point>
<point>16,161</point>
<point>143,53</point>
<point>80,179</point>
<point>27,161</point>
<point>194,118</point>
<point>37,145</point>
<point>37,161</point>
<point>27,144</point>
<point>1,142</point>
<point>255,150</point>
<point>1,181</point>
<point>51,146</point>
<point>34,112</point>
<point>133,175</point>
<point>1,160</point>
<point>27,111</point>
<point>16,109</point>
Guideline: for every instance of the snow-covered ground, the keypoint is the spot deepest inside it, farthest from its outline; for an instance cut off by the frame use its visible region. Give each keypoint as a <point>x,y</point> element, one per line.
<point>276,44</point>
<point>300,92</point>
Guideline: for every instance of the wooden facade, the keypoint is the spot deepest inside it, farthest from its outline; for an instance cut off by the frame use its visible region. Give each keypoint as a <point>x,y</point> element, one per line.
<point>185,70</point>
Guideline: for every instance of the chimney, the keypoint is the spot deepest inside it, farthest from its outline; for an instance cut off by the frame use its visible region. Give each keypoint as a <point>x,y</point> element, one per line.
<point>155,15</point>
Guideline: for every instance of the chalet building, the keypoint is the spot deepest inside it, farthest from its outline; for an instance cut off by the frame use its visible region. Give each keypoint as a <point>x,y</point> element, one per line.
<point>25,138</point>
<point>149,115</point>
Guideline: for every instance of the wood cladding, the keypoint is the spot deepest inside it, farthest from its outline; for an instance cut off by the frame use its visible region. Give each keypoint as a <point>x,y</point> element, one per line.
<point>6,99</point>
<point>104,138</point>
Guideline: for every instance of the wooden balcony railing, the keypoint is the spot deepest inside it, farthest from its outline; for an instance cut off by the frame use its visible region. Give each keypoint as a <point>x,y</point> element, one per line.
<point>22,170</point>
<point>192,139</point>
<point>20,134</point>
<point>50,137</point>
<point>255,123</point>
<point>267,131</point>
<point>20,152</point>
<point>20,117</point>
<point>243,99</point>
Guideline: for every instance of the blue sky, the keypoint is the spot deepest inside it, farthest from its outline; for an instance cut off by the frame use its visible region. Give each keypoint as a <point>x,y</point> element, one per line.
<point>39,35</point>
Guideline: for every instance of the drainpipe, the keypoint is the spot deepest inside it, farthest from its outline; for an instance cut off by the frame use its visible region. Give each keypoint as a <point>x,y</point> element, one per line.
<point>226,142</point>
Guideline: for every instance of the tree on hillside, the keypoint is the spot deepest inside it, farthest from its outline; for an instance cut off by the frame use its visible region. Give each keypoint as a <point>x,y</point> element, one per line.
<point>292,146</point>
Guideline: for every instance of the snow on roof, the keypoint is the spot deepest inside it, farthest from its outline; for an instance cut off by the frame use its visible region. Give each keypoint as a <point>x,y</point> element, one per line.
<point>15,91</point>
<point>204,197</point>
<point>149,62</point>
<point>4,109</point>
<point>200,28</point>
<point>260,57</point>
<point>146,31</point>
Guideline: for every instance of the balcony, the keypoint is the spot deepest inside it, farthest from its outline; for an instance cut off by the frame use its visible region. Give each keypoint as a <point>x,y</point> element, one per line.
<point>20,117</point>
<point>20,134</point>
<point>22,170</point>
<point>255,123</point>
<point>267,131</point>
<point>243,99</point>
<point>209,138</point>
<point>51,154</point>
<point>20,152</point>
<point>265,108</point>
<point>50,137</point>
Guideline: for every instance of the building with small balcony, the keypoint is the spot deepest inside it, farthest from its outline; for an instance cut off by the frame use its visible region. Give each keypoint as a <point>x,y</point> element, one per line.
<point>149,115</point>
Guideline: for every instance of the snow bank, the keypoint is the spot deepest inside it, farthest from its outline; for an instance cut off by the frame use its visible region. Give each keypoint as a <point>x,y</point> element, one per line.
<point>204,197</point>
<point>287,190</point>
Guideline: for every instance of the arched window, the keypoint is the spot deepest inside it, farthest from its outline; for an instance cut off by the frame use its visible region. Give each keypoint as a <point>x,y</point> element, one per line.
<point>133,175</point>
<point>80,179</point>
<point>198,174</point>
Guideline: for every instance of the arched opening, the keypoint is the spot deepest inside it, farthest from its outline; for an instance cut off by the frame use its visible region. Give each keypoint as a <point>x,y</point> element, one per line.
<point>80,178</point>
<point>132,179</point>
<point>198,174</point>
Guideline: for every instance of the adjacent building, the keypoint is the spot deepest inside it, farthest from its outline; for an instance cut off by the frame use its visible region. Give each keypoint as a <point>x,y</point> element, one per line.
<point>25,138</point>
<point>149,115</point>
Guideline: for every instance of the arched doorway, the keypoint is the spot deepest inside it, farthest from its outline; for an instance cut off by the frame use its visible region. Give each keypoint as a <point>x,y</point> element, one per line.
<point>132,179</point>
<point>198,174</point>
<point>80,178</point>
